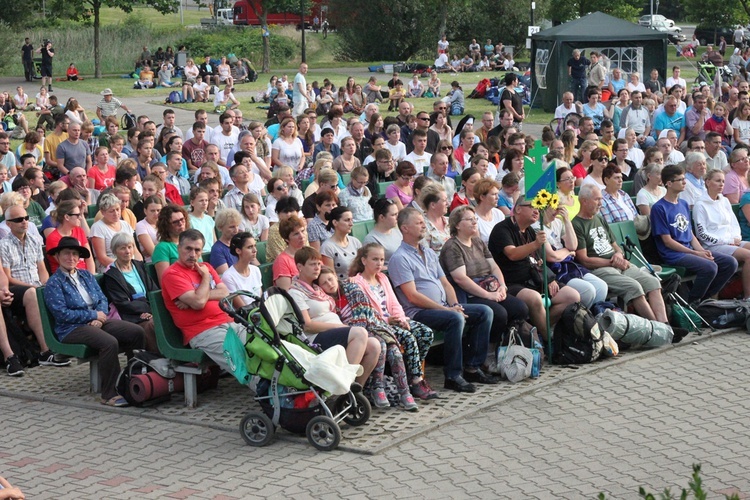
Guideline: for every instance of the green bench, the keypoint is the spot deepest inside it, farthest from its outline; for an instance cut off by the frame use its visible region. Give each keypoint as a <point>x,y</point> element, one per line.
<point>261,246</point>
<point>362,229</point>
<point>627,228</point>
<point>82,353</point>
<point>266,274</point>
<point>382,186</point>
<point>192,362</point>
<point>627,186</point>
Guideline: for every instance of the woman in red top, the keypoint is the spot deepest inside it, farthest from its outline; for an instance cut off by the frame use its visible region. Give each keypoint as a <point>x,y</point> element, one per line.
<point>72,72</point>
<point>101,174</point>
<point>69,215</point>
<point>581,169</point>
<point>465,196</point>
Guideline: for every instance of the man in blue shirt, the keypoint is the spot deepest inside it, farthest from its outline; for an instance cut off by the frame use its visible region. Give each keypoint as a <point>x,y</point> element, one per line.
<point>677,245</point>
<point>428,297</point>
<point>671,119</point>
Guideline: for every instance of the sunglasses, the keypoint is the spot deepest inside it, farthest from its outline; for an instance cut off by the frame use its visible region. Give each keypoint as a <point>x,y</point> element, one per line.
<point>281,187</point>
<point>18,220</point>
<point>446,148</point>
<point>178,221</point>
<point>74,215</point>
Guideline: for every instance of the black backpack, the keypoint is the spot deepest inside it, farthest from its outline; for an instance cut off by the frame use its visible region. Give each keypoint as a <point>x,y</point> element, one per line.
<point>727,313</point>
<point>577,339</point>
<point>127,121</point>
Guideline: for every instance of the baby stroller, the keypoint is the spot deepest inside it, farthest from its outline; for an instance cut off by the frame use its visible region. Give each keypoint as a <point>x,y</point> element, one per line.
<point>287,398</point>
<point>707,72</point>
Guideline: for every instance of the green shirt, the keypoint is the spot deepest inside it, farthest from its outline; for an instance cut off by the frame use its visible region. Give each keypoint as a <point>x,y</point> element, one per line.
<point>595,236</point>
<point>36,213</point>
<point>165,251</point>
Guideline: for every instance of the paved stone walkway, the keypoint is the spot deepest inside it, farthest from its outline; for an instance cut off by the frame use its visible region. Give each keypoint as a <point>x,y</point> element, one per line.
<point>639,422</point>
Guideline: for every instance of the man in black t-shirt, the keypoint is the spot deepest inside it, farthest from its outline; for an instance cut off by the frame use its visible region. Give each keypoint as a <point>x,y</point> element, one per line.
<point>47,54</point>
<point>27,57</point>
<point>516,248</point>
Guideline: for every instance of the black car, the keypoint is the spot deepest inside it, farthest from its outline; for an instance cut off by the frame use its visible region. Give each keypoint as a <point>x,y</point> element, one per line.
<point>713,34</point>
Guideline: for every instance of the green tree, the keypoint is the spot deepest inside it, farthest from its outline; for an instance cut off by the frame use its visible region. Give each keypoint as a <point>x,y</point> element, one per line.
<point>90,9</point>
<point>261,10</point>
<point>565,10</point>
<point>715,12</point>
<point>382,30</point>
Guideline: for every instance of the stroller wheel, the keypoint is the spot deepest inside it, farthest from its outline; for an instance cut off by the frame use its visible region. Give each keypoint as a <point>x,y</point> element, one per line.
<point>358,414</point>
<point>257,429</point>
<point>323,433</point>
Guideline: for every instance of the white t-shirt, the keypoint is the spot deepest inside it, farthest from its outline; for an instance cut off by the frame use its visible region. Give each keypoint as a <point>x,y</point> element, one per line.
<point>225,143</point>
<point>101,230</point>
<point>485,227</point>
<point>679,81</point>
<point>289,154</point>
<point>143,227</point>
<point>645,198</point>
<point>255,229</point>
<point>298,96</point>
<point>419,161</point>
<point>251,283</point>
<point>398,151</point>
<point>220,96</point>
<point>561,111</point>
<point>317,309</point>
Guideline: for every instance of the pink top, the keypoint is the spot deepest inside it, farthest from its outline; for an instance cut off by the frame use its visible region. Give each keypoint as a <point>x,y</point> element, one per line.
<point>734,184</point>
<point>394,192</point>
<point>391,302</point>
<point>284,267</point>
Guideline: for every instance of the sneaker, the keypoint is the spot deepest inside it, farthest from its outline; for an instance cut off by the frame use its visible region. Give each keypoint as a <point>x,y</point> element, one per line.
<point>407,401</point>
<point>380,399</point>
<point>14,366</point>
<point>422,390</point>
<point>48,359</point>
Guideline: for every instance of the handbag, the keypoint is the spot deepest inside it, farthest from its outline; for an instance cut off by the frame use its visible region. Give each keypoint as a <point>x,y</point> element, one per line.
<point>514,361</point>
<point>489,283</point>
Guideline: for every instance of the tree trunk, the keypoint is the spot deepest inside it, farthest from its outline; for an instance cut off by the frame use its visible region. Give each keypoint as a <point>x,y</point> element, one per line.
<point>443,19</point>
<point>97,56</point>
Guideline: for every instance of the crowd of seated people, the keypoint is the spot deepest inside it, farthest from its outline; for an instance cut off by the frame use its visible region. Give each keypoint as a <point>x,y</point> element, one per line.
<point>425,227</point>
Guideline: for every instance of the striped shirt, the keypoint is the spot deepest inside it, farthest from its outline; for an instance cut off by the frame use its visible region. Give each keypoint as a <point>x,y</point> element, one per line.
<point>109,108</point>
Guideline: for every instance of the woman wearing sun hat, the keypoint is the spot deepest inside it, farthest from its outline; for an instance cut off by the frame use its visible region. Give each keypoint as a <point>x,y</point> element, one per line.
<point>109,105</point>
<point>80,309</point>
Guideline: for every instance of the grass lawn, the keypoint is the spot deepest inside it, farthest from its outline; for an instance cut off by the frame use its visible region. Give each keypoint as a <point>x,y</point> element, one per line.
<point>191,16</point>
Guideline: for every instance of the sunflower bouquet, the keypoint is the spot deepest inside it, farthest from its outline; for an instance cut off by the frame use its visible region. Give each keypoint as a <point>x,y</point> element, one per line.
<point>544,199</point>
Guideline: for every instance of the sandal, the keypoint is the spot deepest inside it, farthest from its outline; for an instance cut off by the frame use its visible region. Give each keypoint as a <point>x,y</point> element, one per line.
<point>116,401</point>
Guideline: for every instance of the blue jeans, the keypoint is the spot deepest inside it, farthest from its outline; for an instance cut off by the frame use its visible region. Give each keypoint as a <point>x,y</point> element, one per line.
<point>452,324</point>
<point>711,275</point>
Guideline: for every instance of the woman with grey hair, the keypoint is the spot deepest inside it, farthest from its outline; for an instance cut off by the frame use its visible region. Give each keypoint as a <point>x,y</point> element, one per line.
<point>228,223</point>
<point>104,230</point>
<point>126,285</point>
<point>653,191</point>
